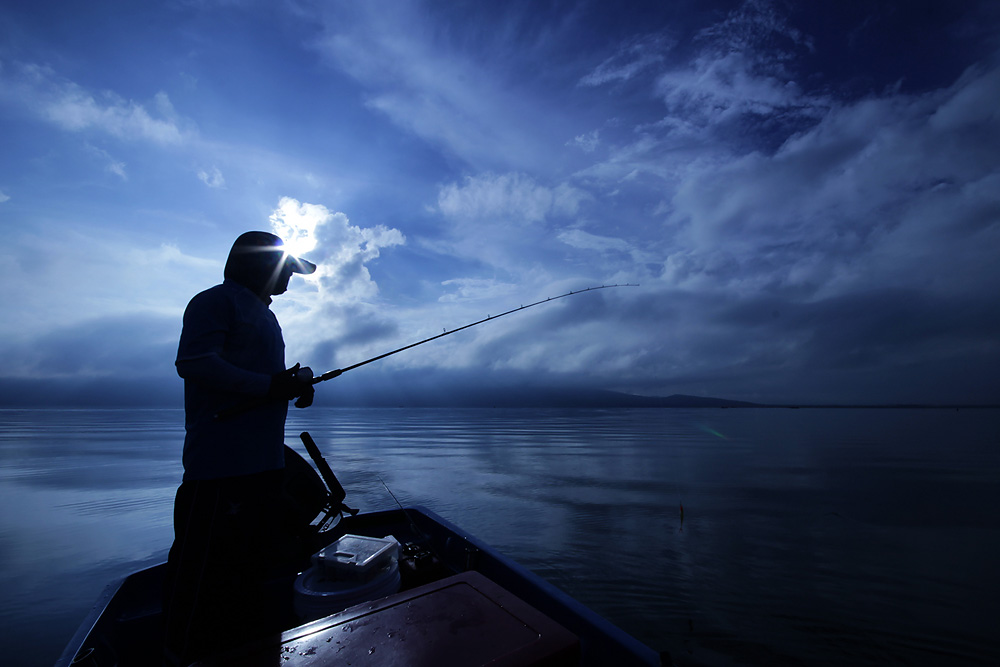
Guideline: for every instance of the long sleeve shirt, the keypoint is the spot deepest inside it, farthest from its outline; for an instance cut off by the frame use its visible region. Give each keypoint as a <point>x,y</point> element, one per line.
<point>229,348</point>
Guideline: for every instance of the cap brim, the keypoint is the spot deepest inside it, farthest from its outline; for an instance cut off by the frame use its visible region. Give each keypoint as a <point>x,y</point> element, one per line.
<point>300,265</point>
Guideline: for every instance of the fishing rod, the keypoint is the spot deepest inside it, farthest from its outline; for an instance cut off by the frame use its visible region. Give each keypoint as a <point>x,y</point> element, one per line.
<point>329,375</point>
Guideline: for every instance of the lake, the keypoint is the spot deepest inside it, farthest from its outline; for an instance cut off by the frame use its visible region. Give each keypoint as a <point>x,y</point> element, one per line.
<point>818,537</point>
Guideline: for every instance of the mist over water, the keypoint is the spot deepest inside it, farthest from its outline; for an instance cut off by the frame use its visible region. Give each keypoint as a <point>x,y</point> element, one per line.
<point>810,536</point>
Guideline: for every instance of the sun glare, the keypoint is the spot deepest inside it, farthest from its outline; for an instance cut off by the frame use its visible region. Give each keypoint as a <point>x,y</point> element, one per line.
<point>296,225</point>
<point>297,241</point>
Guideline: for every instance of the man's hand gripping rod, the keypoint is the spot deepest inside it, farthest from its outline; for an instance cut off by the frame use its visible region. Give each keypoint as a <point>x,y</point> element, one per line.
<point>329,375</point>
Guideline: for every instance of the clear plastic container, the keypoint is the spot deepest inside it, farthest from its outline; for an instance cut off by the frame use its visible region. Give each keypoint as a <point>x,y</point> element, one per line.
<point>356,557</point>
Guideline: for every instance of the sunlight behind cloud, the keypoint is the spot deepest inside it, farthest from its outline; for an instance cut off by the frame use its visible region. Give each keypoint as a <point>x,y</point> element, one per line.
<point>338,311</point>
<point>296,224</point>
<point>340,249</point>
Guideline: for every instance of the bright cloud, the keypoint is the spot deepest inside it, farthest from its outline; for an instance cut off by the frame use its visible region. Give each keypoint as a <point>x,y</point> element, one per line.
<point>338,312</point>
<point>339,248</point>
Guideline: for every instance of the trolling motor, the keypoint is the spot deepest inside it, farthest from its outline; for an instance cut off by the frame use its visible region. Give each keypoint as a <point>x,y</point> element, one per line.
<point>335,504</point>
<point>309,494</point>
<point>337,492</point>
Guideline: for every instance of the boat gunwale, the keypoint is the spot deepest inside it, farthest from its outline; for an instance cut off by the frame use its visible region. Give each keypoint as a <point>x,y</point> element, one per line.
<point>598,636</point>
<point>94,616</point>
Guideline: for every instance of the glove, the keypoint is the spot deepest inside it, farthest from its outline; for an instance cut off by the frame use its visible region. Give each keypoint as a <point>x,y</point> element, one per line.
<point>305,376</point>
<point>292,383</point>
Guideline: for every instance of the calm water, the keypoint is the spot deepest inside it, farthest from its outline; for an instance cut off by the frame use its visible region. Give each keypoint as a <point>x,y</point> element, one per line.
<point>815,537</point>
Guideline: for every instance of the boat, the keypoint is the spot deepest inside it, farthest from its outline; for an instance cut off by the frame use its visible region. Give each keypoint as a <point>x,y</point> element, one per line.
<point>437,596</point>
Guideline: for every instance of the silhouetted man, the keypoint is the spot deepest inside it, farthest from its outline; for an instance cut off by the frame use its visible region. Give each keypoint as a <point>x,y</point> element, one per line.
<point>227,513</point>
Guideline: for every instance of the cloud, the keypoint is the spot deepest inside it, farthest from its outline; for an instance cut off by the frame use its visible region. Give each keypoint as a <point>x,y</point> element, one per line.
<point>512,198</point>
<point>810,241</point>
<point>787,240</point>
<point>737,91</point>
<point>719,88</point>
<point>340,248</point>
<point>769,187</point>
<point>111,165</point>
<point>757,25</point>
<point>212,179</point>
<point>893,172</point>
<point>483,210</point>
<point>62,276</point>
<point>635,56</point>
<point>587,241</point>
<point>414,82</point>
<point>466,289</point>
<point>586,142</point>
<point>342,288</point>
<point>743,74</point>
<point>459,91</point>
<point>4,197</point>
<point>138,344</point>
<point>118,169</point>
<point>345,336</point>
<point>70,106</point>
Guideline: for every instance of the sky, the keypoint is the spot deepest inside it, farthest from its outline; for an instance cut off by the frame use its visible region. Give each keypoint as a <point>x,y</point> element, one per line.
<point>806,193</point>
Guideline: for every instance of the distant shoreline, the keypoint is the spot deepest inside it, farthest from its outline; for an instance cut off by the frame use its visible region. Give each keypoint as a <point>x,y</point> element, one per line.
<point>103,393</point>
<point>901,406</point>
<point>521,406</point>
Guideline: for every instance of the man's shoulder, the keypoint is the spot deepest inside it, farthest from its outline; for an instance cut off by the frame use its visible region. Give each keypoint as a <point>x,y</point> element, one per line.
<point>228,291</point>
<point>228,297</point>
<point>216,293</point>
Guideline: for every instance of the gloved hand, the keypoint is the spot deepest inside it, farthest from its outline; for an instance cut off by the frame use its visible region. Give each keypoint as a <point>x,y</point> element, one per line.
<point>294,382</point>
<point>305,376</point>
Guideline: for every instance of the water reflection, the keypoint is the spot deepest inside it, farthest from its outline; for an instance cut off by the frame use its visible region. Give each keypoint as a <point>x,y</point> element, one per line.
<point>813,536</point>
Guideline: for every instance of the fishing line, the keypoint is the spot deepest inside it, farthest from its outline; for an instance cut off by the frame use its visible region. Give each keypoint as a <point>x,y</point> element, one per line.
<point>409,518</point>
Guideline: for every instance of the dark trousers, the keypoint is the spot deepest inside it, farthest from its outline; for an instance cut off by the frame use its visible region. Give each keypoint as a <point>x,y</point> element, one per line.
<point>227,545</point>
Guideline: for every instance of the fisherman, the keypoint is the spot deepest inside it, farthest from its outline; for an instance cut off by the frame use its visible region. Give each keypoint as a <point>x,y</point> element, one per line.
<point>227,518</point>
